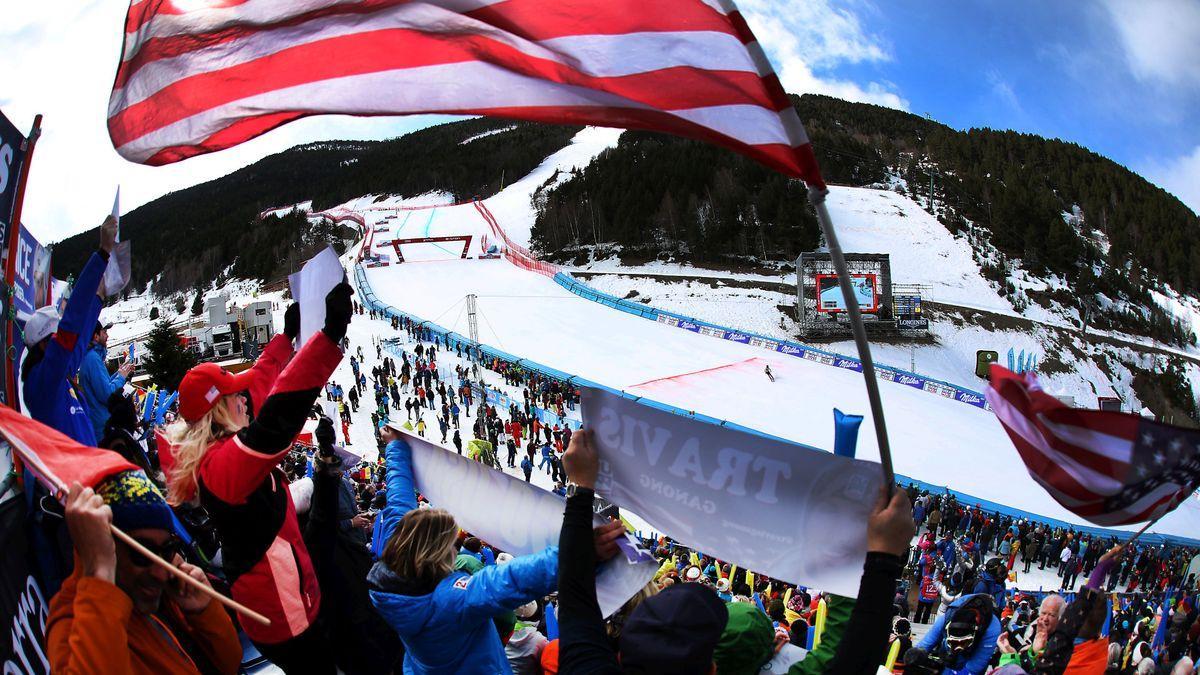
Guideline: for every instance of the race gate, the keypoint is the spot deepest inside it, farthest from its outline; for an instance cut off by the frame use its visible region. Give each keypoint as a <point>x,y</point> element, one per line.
<point>465,239</point>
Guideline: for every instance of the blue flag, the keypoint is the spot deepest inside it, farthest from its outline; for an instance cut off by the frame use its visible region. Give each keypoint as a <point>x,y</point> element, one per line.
<point>845,433</point>
<point>1160,635</point>
<point>163,407</point>
<point>551,623</point>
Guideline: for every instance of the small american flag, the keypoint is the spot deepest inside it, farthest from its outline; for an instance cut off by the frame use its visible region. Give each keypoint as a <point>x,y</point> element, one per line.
<point>202,75</point>
<point>1109,468</point>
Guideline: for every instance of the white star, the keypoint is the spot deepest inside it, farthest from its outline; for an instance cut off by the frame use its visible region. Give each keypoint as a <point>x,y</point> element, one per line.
<point>1159,458</point>
<point>1175,445</point>
<point>1148,439</point>
<point>1141,470</point>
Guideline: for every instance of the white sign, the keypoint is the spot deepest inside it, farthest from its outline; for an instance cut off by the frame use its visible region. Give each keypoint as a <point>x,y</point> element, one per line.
<point>310,286</point>
<point>116,274</point>
<point>513,515</point>
<point>790,512</point>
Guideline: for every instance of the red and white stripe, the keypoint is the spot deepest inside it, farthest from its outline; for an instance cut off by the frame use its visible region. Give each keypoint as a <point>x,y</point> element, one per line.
<point>203,75</point>
<point>1080,457</point>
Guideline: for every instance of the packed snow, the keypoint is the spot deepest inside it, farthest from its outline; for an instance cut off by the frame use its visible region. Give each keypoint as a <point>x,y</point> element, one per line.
<point>526,314</point>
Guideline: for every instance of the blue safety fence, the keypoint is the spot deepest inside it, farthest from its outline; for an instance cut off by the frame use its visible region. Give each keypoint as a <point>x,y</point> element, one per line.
<point>453,340</point>
<point>481,351</point>
<point>800,351</point>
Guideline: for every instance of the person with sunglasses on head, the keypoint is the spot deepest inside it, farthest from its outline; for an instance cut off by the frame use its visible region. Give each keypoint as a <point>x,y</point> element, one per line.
<point>229,461</point>
<point>119,612</point>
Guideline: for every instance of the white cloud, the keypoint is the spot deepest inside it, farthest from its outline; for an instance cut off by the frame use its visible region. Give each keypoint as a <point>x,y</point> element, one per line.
<point>61,64</point>
<point>807,38</point>
<point>1161,39</point>
<point>1179,176</point>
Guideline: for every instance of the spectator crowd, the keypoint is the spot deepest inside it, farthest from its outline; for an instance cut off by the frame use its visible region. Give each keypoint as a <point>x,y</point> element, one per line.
<point>357,572</point>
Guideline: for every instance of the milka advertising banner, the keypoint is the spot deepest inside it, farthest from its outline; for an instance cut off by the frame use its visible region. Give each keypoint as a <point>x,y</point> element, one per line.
<point>790,512</point>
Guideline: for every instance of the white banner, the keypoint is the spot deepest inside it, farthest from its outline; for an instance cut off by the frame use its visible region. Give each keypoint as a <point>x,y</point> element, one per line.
<point>513,515</point>
<point>310,286</point>
<point>783,510</point>
<point>116,275</point>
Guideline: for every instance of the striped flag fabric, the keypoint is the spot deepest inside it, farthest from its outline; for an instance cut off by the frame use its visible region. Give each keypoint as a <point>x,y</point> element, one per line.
<point>55,459</point>
<point>1109,468</point>
<point>198,76</point>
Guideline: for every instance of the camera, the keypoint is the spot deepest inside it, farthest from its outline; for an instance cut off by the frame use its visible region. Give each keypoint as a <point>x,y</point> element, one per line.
<point>920,662</point>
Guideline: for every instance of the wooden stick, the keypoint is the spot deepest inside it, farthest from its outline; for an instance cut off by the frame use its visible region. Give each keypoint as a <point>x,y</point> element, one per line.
<point>187,578</point>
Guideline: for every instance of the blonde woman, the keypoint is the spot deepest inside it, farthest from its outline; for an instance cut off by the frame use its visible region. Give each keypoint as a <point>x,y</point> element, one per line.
<point>230,462</point>
<point>444,617</point>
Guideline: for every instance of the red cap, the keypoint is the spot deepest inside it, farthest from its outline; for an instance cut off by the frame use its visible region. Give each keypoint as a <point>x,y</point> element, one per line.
<point>204,384</point>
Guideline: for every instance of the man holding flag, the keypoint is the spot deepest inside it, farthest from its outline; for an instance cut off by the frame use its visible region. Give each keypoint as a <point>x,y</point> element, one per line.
<point>120,613</point>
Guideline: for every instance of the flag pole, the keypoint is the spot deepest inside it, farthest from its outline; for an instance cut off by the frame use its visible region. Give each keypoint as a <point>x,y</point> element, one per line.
<point>1142,531</point>
<point>187,578</point>
<point>817,195</point>
<point>58,487</point>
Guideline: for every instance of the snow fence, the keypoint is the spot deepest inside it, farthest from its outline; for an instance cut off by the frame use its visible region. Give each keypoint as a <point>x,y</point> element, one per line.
<point>904,377</point>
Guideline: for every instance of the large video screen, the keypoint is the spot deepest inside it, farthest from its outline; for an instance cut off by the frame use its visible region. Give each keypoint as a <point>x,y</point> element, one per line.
<point>829,294</point>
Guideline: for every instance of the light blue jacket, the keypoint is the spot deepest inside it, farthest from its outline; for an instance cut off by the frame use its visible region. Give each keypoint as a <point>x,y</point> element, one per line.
<point>96,385</point>
<point>450,630</point>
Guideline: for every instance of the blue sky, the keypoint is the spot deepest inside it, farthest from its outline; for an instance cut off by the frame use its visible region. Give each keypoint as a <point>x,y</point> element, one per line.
<point>1121,77</point>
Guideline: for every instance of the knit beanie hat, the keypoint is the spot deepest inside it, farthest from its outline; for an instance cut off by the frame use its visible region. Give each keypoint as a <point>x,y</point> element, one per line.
<point>136,502</point>
<point>674,631</point>
<point>747,642</point>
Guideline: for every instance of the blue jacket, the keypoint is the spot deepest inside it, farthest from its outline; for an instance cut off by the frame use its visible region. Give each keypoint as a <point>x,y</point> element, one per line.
<point>450,629</point>
<point>49,394</point>
<point>96,384</point>
<point>976,662</point>
<point>992,586</point>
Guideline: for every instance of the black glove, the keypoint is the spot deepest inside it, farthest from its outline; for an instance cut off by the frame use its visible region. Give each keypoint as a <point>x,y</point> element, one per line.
<point>291,321</point>
<point>324,434</point>
<point>338,310</point>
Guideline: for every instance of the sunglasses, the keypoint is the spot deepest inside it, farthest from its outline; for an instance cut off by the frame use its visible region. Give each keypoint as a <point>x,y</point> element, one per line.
<point>165,550</point>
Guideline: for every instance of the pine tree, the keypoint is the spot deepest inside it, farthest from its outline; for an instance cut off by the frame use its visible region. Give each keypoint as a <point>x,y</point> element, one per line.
<point>154,313</point>
<point>198,304</point>
<point>167,359</point>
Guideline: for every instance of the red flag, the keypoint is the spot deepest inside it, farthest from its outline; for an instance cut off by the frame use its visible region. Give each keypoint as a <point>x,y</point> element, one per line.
<point>200,77</point>
<point>53,457</point>
<point>1107,467</point>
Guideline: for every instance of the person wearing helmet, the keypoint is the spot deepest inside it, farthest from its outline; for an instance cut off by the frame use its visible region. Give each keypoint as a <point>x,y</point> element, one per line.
<point>229,461</point>
<point>991,581</point>
<point>964,638</point>
<point>949,590</point>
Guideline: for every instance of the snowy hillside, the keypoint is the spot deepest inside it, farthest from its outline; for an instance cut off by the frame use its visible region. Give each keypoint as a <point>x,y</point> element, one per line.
<point>527,314</point>
<point>922,251</point>
<point>530,316</point>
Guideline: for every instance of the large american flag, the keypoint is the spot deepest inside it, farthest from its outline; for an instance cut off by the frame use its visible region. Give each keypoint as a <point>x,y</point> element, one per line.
<point>1107,467</point>
<point>202,75</point>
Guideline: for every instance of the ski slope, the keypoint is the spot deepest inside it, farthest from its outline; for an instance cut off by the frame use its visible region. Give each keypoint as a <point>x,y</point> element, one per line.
<point>933,439</point>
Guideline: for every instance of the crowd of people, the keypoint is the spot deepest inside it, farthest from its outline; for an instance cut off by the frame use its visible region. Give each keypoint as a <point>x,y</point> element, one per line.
<point>356,572</point>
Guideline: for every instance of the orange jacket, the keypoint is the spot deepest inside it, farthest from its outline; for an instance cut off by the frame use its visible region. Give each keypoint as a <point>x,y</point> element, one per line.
<point>93,628</point>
